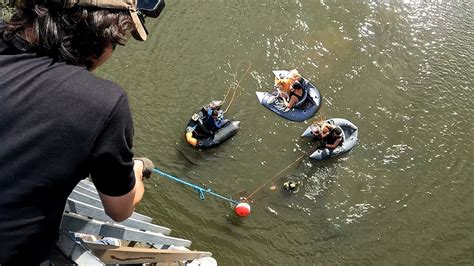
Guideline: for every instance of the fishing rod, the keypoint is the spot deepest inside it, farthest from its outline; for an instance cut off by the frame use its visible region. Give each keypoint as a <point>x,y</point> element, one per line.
<point>236,85</point>
<point>273,177</point>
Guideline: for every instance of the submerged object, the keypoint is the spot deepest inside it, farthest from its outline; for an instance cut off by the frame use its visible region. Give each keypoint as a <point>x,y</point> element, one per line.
<point>242,209</point>
<point>291,185</point>
<point>350,137</point>
<point>303,110</point>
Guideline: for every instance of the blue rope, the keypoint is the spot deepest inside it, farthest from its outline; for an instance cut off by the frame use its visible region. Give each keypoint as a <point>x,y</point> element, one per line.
<point>199,189</point>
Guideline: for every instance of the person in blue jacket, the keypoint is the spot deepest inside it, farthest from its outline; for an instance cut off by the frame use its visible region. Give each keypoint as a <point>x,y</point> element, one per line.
<point>214,117</point>
<point>206,122</point>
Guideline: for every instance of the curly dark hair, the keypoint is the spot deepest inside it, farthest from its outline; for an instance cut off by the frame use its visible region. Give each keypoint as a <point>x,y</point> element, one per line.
<point>76,36</point>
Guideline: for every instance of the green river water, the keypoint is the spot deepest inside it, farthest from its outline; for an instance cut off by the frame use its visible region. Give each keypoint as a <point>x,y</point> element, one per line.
<point>402,71</point>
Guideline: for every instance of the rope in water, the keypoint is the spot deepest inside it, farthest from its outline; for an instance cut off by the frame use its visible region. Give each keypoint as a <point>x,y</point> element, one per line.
<point>236,85</point>
<point>273,177</point>
<point>199,189</point>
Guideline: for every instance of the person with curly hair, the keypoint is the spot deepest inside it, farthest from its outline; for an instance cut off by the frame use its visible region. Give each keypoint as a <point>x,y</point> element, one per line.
<point>60,123</point>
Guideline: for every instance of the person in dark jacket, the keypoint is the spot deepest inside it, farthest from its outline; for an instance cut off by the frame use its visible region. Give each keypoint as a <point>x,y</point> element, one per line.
<point>328,136</point>
<point>214,117</point>
<point>334,138</point>
<point>60,123</point>
<point>205,123</point>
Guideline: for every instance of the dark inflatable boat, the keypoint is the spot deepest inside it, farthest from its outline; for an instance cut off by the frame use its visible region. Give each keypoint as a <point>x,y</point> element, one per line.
<point>199,136</point>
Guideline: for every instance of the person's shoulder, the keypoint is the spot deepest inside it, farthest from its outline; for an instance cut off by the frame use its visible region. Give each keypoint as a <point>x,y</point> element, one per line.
<point>83,88</point>
<point>82,82</point>
<point>86,76</point>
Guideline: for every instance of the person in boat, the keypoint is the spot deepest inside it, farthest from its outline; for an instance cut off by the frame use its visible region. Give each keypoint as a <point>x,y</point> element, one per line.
<point>293,75</point>
<point>329,136</point>
<point>334,138</point>
<point>205,124</point>
<point>213,118</point>
<point>317,132</point>
<point>296,95</point>
<point>283,85</point>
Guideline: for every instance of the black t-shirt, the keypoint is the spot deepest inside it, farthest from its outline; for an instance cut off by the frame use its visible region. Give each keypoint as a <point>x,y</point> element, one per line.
<point>58,125</point>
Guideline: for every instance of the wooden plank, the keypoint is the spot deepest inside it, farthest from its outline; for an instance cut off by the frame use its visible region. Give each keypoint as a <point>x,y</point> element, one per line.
<point>128,255</point>
<point>87,210</point>
<point>84,198</point>
<point>76,223</point>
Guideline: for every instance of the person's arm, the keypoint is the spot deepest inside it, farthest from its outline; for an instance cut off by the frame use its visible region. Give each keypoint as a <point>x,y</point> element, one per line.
<point>292,102</point>
<point>335,144</point>
<point>121,207</point>
<point>116,175</point>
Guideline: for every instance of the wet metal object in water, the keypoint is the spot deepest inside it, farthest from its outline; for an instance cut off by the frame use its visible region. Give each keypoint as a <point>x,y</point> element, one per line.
<point>350,137</point>
<point>303,110</point>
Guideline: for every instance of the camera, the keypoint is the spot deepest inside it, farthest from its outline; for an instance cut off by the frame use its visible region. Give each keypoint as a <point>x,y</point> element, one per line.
<point>151,8</point>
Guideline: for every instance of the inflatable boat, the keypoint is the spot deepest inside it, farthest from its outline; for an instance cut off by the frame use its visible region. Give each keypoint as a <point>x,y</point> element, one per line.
<point>199,136</point>
<point>350,133</point>
<point>303,110</point>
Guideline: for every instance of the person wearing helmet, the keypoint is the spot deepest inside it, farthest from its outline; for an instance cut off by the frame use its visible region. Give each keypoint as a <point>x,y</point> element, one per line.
<point>316,131</point>
<point>60,123</point>
<point>205,123</point>
<point>214,118</point>
<point>328,135</point>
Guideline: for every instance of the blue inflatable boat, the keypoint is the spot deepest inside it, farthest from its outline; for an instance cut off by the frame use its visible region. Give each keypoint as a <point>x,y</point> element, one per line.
<point>303,110</point>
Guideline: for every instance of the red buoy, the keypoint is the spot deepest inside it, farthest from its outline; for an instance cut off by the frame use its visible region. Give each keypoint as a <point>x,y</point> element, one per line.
<point>242,209</point>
